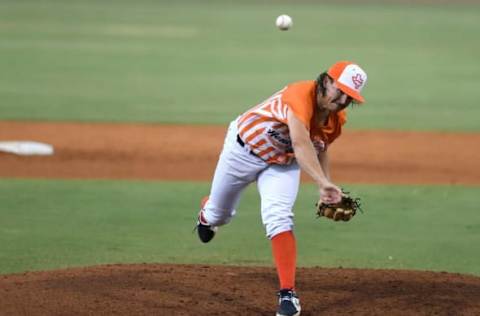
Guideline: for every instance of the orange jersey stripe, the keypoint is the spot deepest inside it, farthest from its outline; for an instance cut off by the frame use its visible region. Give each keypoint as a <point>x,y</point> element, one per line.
<point>260,120</point>
<point>255,134</point>
<point>281,159</point>
<point>266,151</point>
<point>259,143</point>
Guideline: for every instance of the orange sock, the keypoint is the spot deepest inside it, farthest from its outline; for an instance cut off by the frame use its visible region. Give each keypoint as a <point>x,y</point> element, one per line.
<point>285,255</point>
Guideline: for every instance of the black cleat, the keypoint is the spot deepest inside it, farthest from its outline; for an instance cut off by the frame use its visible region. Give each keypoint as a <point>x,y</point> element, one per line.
<point>205,231</point>
<point>288,303</point>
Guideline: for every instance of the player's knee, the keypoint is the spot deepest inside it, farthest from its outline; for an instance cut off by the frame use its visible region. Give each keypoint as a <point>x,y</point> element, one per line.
<point>218,217</point>
<point>277,226</point>
<point>277,217</point>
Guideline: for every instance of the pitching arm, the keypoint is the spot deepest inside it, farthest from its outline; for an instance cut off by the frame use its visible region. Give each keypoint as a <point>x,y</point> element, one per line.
<point>307,159</point>
<point>324,163</point>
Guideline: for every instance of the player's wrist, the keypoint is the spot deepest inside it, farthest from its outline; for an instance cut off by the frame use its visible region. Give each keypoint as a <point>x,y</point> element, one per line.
<point>323,182</point>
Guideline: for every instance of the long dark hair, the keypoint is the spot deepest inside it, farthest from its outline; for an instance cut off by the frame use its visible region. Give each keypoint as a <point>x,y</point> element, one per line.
<point>320,86</point>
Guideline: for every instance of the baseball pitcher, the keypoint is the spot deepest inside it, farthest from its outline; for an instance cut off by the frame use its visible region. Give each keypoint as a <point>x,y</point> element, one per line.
<point>269,144</point>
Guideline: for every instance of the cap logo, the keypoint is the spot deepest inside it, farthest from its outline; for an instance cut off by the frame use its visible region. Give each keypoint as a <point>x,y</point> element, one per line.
<point>357,81</point>
<point>351,79</point>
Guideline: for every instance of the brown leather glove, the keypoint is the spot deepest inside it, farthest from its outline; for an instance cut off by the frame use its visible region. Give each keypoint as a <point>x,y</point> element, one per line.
<point>343,210</point>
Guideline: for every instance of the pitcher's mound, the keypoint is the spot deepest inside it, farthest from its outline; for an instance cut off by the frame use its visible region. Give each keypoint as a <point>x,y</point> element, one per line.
<point>227,290</point>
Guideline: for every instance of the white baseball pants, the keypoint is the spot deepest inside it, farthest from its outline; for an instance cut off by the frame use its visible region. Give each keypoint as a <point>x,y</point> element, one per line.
<point>236,169</point>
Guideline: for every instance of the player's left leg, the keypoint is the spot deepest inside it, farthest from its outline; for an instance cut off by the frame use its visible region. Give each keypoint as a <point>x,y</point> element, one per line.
<point>278,187</point>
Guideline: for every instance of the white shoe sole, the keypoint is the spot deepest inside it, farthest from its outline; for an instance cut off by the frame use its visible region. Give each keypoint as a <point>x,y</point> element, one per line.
<point>297,314</point>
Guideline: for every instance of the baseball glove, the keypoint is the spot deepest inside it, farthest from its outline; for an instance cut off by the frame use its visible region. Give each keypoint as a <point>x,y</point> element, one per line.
<point>343,210</point>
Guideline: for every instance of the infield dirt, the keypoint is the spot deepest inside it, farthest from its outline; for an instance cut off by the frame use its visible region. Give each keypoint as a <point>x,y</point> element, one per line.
<point>181,152</point>
<point>119,151</point>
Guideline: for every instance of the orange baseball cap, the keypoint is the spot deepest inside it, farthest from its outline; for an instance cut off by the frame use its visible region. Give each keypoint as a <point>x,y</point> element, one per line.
<point>349,78</point>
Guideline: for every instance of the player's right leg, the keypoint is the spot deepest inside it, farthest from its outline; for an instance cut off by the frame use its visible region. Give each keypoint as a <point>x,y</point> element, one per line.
<point>236,169</point>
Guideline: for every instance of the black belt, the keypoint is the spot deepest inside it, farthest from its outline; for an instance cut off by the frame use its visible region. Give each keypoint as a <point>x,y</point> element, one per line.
<point>242,143</point>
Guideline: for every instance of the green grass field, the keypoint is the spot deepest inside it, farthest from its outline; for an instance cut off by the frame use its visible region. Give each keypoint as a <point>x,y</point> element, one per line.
<point>203,63</point>
<point>207,61</point>
<point>55,224</point>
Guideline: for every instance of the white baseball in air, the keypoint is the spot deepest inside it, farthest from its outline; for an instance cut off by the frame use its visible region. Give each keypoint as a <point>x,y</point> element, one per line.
<point>284,22</point>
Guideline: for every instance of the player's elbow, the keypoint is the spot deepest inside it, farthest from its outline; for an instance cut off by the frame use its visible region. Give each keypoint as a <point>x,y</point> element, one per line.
<point>298,141</point>
<point>296,144</point>
<point>299,147</point>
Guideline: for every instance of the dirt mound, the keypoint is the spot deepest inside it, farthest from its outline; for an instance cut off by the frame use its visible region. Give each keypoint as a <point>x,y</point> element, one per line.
<point>226,290</point>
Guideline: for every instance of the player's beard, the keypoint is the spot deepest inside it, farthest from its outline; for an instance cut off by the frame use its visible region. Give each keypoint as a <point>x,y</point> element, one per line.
<point>331,107</point>
<point>324,105</point>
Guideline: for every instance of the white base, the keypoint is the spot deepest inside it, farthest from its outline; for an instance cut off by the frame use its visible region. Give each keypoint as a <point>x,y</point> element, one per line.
<point>26,148</point>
